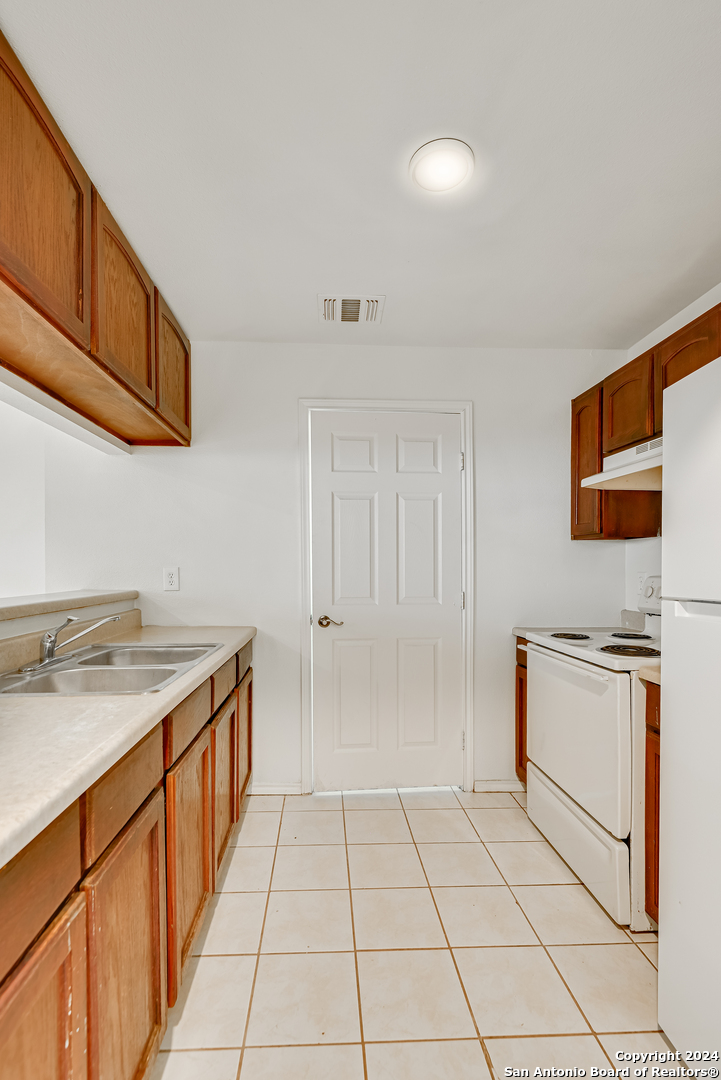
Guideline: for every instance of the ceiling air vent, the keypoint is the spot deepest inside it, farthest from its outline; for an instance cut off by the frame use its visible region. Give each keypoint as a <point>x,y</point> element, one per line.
<point>350,309</point>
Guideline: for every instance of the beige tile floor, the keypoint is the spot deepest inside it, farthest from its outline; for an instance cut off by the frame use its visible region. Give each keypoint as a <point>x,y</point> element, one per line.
<point>404,934</point>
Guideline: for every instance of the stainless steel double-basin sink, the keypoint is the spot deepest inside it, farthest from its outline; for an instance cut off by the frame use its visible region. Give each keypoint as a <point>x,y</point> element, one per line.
<point>115,668</point>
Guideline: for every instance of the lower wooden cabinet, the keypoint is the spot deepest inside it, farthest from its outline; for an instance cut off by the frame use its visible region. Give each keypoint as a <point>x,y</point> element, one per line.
<point>127,999</point>
<point>223,746</point>
<point>245,736</point>
<point>189,838</point>
<point>43,1004</point>
<point>653,762</point>
<point>521,700</point>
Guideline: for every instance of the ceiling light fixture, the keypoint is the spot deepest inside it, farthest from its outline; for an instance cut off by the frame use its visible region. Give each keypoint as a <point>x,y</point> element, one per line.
<point>442,164</point>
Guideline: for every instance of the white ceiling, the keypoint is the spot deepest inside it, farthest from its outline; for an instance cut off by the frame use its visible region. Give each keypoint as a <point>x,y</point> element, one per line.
<point>256,152</point>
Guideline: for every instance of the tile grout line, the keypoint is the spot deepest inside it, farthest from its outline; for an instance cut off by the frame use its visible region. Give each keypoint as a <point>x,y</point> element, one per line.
<point>484,1051</point>
<point>543,946</point>
<point>260,943</point>
<point>355,949</point>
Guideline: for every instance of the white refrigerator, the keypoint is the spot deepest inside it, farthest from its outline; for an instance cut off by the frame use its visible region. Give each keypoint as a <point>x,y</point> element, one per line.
<point>689,976</point>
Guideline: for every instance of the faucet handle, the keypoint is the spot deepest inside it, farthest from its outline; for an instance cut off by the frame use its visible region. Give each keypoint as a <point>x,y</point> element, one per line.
<point>51,635</point>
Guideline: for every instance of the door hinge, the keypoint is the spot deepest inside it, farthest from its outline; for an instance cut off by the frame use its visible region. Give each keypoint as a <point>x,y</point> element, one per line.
<point>463,461</point>
<point>463,740</point>
<point>463,601</point>
<point>311,620</point>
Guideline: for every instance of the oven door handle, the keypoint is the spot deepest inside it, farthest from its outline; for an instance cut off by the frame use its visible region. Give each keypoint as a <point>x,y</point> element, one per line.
<point>568,663</point>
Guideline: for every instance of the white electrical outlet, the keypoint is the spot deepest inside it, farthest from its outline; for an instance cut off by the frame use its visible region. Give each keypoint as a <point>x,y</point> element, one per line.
<point>640,579</point>
<point>171,579</point>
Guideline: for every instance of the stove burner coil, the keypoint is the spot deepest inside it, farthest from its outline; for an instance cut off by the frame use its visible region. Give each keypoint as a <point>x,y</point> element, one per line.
<point>634,637</point>
<point>573,637</point>
<point>629,650</point>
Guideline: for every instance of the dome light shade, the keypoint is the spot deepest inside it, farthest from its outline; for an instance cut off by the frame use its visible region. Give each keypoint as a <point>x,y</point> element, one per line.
<point>442,164</point>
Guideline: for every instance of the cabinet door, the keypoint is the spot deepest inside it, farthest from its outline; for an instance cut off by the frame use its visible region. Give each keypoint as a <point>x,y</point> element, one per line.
<point>245,736</point>
<point>652,787</point>
<point>223,747</point>
<point>173,360</point>
<point>44,206</point>
<point>521,700</point>
<point>691,348</point>
<point>43,1005</point>
<point>628,404</point>
<point>586,459</point>
<point>190,860</point>
<point>123,308</point>
<point>127,1004</point>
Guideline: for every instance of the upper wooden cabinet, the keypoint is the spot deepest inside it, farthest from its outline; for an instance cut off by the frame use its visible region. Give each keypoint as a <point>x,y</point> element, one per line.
<point>44,206</point>
<point>123,317</point>
<point>628,404</point>
<point>586,459</point>
<point>173,368</point>
<point>685,351</point>
<point>603,515</point>
<point>77,308</point>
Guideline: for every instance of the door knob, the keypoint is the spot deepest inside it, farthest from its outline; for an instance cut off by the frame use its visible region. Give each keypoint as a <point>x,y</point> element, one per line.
<point>325,621</point>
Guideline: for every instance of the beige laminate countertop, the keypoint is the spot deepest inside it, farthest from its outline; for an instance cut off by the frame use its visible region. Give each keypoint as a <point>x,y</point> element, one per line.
<point>53,748</point>
<point>650,674</point>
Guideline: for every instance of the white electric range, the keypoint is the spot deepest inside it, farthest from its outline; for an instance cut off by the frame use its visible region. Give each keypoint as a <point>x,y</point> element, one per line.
<point>586,750</point>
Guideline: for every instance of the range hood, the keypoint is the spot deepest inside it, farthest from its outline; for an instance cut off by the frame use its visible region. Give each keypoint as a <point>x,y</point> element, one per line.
<point>637,469</point>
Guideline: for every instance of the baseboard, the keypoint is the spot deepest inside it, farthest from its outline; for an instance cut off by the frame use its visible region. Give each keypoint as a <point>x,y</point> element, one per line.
<point>273,789</point>
<point>499,785</point>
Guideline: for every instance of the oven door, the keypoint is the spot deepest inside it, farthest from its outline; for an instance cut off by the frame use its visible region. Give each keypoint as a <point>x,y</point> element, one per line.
<point>579,733</point>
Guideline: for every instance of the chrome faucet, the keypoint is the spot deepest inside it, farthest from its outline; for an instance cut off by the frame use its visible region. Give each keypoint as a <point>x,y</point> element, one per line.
<point>49,645</point>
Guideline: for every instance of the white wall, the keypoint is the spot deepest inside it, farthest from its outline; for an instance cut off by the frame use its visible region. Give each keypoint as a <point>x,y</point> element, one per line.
<point>22,503</point>
<point>227,511</point>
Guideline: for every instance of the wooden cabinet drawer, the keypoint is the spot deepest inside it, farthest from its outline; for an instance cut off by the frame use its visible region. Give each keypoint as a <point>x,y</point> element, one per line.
<point>111,802</point>
<point>245,659</point>
<point>224,682</point>
<point>34,884</point>
<point>43,1030</point>
<point>185,721</point>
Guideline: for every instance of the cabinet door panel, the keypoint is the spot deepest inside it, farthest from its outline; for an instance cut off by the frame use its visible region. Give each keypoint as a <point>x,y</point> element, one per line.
<point>684,352</point>
<point>223,736</point>
<point>652,789</point>
<point>190,860</point>
<point>521,742</point>
<point>628,404</point>
<point>43,1005</point>
<point>127,1003</point>
<point>586,460</point>
<point>173,359</point>
<point>123,308</point>
<point>44,206</point>
<point>245,737</point>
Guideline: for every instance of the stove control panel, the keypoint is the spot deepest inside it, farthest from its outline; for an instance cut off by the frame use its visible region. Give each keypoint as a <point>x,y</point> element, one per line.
<point>650,598</point>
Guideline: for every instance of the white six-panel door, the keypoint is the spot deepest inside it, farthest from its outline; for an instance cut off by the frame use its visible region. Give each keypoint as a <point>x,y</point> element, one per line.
<point>386,563</point>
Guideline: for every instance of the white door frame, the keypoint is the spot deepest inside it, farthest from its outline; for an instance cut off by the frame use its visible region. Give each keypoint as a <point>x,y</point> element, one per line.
<point>464,409</point>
